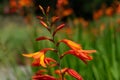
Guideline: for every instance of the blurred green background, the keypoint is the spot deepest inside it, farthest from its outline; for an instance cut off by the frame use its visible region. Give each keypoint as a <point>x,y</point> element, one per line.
<point>19,28</point>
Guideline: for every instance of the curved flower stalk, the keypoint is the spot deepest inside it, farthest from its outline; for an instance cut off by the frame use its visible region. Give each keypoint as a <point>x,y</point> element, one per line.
<point>40,59</point>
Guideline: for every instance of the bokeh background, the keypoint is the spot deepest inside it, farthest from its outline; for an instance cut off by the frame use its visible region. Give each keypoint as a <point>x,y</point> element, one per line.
<point>95,24</point>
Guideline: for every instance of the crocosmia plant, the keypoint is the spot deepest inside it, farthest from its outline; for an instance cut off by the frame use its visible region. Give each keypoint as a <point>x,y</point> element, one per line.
<point>40,58</point>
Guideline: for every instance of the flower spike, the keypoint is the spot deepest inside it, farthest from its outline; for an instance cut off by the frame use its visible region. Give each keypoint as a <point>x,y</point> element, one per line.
<point>40,59</point>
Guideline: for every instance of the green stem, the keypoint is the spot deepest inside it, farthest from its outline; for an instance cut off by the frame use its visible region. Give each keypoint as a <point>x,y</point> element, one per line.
<point>56,47</point>
<point>59,60</point>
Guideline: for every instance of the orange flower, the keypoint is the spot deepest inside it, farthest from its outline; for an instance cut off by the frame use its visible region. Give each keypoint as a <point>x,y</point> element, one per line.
<point>58,28</point>
<point>67,12</point>
<point>13,3</point>
<point>40,75</point>
<point>109,11</point>
<point>47,61</point>
<point>77,51</point>
<point>26,3</point>
<point>54,19</point>
<point>118,9</point>
<point>69,71</point>
<point>71,44</point>
<point>81,54</point>
<point>39,57</point>
<point>43,77</point>
<point>44,24</point>
<point>44,38</point>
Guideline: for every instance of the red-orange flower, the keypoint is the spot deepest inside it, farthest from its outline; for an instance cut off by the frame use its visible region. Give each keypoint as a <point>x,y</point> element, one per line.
<point>69,71</point>
<point>44,38</point>
<point>47,61</point>
<point>26,3</point>
<point>39,58</point>
<point>40,75</point>
<point>77,51</point>
<point>58,28</point>
<point>81,54</point>
<point>43,77</point>
<point>54,19</point>
<point>71,44</point>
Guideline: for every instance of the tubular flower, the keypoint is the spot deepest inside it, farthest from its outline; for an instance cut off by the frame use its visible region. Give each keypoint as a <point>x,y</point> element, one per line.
<point>54,19</point>
<point>71,44</point>
<point>77,51</point>
<point>44,38</point>
<point>43,77</point>
<point>47,61</point>
<point>58,28</point>
<point>69,71</point>
<point>81,54</point>
<point>40,75</point>
<point>39,57</point>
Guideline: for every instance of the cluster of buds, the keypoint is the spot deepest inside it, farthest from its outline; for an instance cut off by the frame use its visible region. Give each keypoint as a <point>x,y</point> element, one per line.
<point>40,58</point>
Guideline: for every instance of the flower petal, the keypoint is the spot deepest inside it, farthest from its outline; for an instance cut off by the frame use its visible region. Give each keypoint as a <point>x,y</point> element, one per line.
<point>44,24</point>
<point>41,72</point>
<point>41,8</point>
<point>74,74</point>
<point>42,63</point>
<point>71,72</point>
<point>54,19</point>
<point>89,51</point>
<point>44,38</point>
<point>39,57</point>
<point>43,77</point>
<point>46,49</point>
<point>36,62</point>
<point>48,9</point>
<point>81,54</point>
<point>31,54</point>
<point>40,17</point>
<point>62,71</point>
<point>72,44</point>
<point>50,60</point>
<point>58,28</point>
